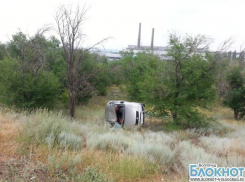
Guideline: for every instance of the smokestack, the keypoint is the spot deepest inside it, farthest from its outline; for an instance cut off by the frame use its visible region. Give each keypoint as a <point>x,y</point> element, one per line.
<point>139,36</point>
<point>152,39</point>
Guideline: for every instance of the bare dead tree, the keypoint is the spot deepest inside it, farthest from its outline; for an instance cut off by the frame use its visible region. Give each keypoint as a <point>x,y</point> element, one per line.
<point>69,28</point>
<point>225,45</point>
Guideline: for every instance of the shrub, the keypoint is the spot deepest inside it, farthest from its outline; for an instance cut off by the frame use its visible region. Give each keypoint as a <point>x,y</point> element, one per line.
<point>223,146</point>
<point>153,153</point>
<point>153,147</point>
<point>238,131</point>
<point>109,141</point>
<point>69,140</point>
<point>52,129</point>
<point>192,154</point>
<point>29,90</point>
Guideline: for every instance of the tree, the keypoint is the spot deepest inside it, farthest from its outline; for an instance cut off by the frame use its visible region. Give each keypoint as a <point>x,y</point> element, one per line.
<point>235,99</point>
<point>134,69</point>
<point>222,85</point>
<point>25,80</point>
<point>234,55</point>
<point>2,51</point>
<point>229,55</point>
<point>179,86</point>
<point>101,79</point>
<point>37,91</point>
<point>69,26</point>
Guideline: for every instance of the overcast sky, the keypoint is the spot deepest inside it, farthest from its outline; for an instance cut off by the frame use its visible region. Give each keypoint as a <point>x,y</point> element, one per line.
<point>219,19</point>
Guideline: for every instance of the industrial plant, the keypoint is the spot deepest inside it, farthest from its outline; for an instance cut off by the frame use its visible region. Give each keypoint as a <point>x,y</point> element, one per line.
<point>160,51</point>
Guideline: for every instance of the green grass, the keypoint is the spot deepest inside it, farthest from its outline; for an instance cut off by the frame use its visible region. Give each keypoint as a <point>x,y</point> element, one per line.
<point>170,127</point>
<point>133,168</point>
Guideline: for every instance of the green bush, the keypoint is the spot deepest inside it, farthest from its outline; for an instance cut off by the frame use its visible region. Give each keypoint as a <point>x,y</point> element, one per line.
<point>235,98</point>
<point>27,89</point>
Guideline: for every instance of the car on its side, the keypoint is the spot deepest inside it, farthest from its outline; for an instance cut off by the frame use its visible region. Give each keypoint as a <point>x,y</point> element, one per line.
<point>125,113</point>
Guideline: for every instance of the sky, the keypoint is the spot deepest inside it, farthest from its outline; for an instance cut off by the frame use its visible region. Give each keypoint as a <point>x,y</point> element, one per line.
<point>218,19</point>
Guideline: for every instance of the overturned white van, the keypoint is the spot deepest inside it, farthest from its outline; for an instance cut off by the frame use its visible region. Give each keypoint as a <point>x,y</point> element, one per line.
<point>125,113</point>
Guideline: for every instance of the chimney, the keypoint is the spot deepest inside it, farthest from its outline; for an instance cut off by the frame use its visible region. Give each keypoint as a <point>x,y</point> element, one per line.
<point>139,36</point>
<point>152,39</point>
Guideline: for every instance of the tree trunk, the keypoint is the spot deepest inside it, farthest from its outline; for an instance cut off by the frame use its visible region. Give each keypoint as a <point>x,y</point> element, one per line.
<point>236,114</point>
<point>71,86</point>
<point>175,118</point>
<point>71,104</point>
<point>177,86</point>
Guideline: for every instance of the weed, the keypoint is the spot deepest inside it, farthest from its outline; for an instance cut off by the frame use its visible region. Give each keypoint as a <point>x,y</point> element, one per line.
<point>92,175</point>
<point>132,168</point>
<point>64,161</point>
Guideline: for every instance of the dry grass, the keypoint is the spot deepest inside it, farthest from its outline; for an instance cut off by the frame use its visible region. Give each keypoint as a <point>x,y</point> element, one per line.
<point>56,163</point>
<point>118,166</point>
<point>9,132</point>
<point>94,110</point>
<point>124,155</point>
